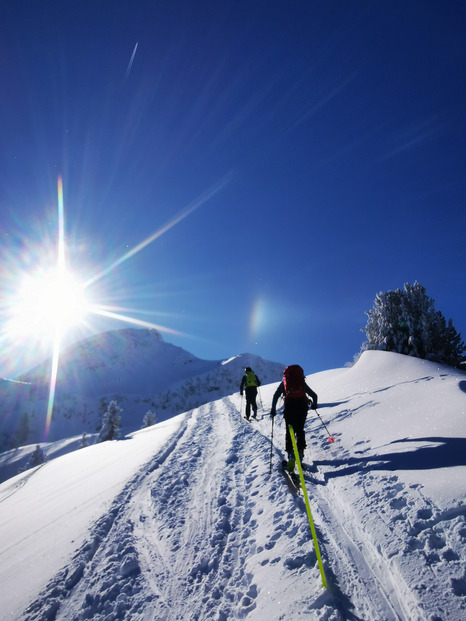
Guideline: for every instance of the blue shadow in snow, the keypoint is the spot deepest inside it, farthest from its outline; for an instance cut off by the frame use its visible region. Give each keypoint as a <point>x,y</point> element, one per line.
<point>447,453</point>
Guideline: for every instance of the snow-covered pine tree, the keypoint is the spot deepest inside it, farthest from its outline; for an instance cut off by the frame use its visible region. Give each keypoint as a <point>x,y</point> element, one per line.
<point>149,419</point>
<point>84,440</point>
<point>110,423</point>
<point>405,321</point>
<point>37,458</point>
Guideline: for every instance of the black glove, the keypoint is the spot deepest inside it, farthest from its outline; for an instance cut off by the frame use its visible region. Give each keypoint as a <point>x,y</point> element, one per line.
<point>314,406</point>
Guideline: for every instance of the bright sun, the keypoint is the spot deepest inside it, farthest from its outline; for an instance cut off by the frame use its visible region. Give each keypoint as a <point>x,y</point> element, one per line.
<point>47,303</point>
<point>43,306</point>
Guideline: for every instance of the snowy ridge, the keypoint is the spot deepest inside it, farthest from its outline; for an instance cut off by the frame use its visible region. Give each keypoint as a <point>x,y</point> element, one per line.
<point>137,368</point>
<point>198,528</point>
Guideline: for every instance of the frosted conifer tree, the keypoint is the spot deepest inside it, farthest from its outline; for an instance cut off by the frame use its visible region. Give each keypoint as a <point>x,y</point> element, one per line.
<point>405,321</point>
<point>149,419</point>
<point>37,458</point>
<point>110,423</point>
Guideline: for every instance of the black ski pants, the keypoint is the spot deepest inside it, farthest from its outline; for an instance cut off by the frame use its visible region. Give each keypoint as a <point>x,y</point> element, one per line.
<point>251,395</point>
<point>295,413</point>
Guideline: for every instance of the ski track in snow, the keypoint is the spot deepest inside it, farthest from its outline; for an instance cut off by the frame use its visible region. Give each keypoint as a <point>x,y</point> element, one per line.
<point>383,535</point>
<point>191,517</point>
<point>177,540</point>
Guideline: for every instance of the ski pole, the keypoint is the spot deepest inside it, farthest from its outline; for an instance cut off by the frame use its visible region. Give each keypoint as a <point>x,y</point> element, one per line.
<point>330,438</point>
<point>260,398</point>
<point>271,445</point>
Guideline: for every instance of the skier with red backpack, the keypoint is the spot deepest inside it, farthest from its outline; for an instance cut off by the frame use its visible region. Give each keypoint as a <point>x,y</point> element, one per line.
<point>294,390</point>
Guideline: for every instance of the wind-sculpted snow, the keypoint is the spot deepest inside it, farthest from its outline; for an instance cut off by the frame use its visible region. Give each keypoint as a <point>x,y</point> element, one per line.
<point>205,530</point>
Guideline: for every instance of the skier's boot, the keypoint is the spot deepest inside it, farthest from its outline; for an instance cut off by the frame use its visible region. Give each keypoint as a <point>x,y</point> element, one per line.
<point>291,462</point>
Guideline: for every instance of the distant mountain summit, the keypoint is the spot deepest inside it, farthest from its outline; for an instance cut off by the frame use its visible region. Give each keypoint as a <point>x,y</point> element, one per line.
<point>122,361</point>
<point>135,367</point>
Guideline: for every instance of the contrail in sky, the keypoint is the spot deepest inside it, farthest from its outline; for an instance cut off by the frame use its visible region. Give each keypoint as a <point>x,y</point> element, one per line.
<point>130,64</point>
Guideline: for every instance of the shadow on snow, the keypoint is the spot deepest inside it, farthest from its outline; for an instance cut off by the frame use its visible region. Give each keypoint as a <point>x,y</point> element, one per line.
<point>437,452</point>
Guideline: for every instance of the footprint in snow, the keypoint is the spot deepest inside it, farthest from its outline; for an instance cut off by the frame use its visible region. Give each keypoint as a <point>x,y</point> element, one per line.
<point>459,586</point>
<point>424,514</point>
<point>296,562</point>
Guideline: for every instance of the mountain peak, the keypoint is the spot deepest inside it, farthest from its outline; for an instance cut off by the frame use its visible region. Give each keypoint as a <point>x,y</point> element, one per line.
<point>132,366</point>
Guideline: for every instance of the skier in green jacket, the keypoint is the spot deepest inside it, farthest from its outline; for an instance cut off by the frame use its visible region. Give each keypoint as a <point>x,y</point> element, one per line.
<point>251,382</point>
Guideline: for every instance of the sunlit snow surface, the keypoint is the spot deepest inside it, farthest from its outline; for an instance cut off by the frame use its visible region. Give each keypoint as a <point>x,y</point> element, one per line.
<point>185,520</point>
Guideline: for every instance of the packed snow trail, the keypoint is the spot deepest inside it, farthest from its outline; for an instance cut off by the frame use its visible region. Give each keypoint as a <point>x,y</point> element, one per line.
<point>204,532</point>
<point>199,505</point>
<point>177,541</point>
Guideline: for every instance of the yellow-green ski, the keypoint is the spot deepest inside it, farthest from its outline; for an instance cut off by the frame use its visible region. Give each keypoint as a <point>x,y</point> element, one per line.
<point>308,508</point>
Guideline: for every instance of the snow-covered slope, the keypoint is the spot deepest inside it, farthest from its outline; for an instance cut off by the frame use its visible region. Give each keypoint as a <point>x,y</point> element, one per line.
<point>133,366</point>
<point>127,361</point>
<point>186,520</point>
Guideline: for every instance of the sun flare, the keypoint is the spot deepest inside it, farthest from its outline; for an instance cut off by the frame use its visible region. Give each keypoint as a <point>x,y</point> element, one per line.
<point>45,303</point>
<point>43,307</point>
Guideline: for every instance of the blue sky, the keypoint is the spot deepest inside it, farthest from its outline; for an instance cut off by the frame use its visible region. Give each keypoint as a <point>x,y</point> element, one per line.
<point>314,151</point>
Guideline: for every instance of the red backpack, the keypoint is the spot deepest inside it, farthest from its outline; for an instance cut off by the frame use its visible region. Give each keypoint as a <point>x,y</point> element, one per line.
<point>294,382</point>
